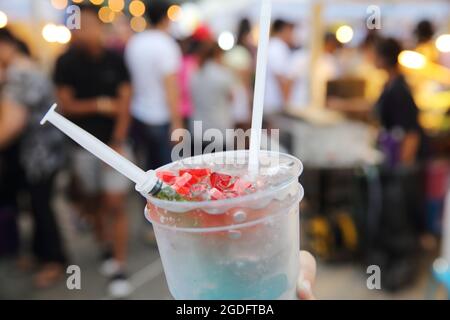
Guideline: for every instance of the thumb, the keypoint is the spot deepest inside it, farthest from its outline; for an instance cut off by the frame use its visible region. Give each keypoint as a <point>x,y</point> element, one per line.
<point>307,276</point>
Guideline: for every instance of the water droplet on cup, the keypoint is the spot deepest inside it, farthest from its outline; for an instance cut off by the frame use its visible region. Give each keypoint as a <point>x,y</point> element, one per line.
<point>234,234</point>
<point>239,216</point>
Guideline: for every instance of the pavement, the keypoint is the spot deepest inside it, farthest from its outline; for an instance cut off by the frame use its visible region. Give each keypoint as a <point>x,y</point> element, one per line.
<point>334,281</point>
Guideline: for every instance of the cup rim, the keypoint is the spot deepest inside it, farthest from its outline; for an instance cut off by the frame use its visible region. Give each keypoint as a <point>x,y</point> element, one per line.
<point>230,202</point>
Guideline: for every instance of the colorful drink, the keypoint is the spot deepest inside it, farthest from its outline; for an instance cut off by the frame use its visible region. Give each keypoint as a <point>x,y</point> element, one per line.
<point>243,246</point>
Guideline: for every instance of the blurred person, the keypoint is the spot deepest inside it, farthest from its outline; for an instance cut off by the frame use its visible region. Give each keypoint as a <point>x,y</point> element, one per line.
<point>154,59</point>
<point>32,151</point>
<point>363,68</point>
<point>189,65</point>
<point>366,69</point>
<point>403,142</point>
<point>241,62</point>
<point>245,38</point>
<point>395,245</point>
<point>212,93</point>
<point>298,73</point>
<point>278,83</point>
<point>190,48</point>
<point>119,34</point>
<point>93,90</point>
<point>396,108</point>
<point>424,33</point>
<point>328,68</point>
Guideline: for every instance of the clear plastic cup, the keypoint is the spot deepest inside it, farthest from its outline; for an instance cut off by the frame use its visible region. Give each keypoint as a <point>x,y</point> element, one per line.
<point>239,248</point>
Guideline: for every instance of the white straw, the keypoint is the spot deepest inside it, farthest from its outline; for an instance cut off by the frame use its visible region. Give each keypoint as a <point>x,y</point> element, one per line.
<point>260,84</point>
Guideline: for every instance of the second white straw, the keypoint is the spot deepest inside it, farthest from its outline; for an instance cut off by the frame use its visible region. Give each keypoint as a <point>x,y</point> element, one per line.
<point>260,84</point>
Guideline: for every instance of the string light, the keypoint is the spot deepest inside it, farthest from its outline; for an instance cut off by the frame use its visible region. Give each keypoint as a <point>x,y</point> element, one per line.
<point>63,34</point>
<point>138,24</point>
<point>412,59</point>
<point>59,4</point>
<point>137,8</point>
<point>53,33</point>
<point>116,5</point>
<point>344,34</point>
<point>106,15</point>
<point>174,12</point>
<point>443,43</point>
<point>226,40</point>
<point>188,19</point>
<point>3,19</point>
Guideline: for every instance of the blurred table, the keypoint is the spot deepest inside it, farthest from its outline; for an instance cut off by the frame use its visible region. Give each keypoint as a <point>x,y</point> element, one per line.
<point>322,139</point>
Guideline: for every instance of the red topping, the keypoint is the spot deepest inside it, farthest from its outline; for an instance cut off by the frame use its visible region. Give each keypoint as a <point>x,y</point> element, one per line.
<point>183,180</point>
<point>221,181</point>
<point>184,191</point>
<point>166,176</point>
<point>198,173</point>
<point>241,187</point>
<point>198,188</point>
<point>193,184</point>
<point>216,194</point>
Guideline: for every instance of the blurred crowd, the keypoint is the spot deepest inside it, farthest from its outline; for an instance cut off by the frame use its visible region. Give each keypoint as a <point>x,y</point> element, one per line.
<point>132,93</point>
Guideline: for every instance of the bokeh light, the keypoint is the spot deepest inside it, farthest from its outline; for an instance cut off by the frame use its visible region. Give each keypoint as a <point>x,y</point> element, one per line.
<point>226,40</point>
<point>344,34</point>
<point>97,2</point>
<point>63,34</point>
<point>59,4</point>
<point>3,19</point>
<point>106,15</point>
<point>138,24</point>
<point>49,32</point>
<point>53,33</point>
<point>77,1</point>
<point>137,8</point>
<point>440,265</point>
<point>443,43</point>
<point>116,5</point>
<point>412,59</point>
<point>174,12</point>
<point>188,19</point>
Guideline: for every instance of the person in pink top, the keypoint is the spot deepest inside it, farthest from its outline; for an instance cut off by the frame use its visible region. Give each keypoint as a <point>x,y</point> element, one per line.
<point>189,65</point>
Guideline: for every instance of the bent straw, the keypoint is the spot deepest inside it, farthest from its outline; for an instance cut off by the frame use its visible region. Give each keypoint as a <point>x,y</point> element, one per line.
<point>145,181</point>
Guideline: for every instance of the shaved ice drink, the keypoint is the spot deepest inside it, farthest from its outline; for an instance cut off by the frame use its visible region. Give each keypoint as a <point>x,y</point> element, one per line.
<point>223,235</point>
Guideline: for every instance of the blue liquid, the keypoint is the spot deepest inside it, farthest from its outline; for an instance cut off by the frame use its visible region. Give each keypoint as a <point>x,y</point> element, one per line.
<point>239,280</point>
<point>230,289</point>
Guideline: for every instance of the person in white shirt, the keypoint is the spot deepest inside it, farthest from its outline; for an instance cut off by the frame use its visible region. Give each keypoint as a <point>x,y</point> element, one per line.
<point>299,74</point>
<point>278,84</point>
<point>328,68</point>
<point>154,60</point>
<point>212,93</point>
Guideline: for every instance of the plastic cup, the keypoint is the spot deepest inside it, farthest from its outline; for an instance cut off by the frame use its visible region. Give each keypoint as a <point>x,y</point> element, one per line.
<point>239,248</point>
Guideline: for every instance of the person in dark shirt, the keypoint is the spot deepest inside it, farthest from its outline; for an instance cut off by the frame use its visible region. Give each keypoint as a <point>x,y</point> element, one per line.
<point>30,159</point>
<point>396,111</point>
<point>93,90</point>
<point>396,108</point>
